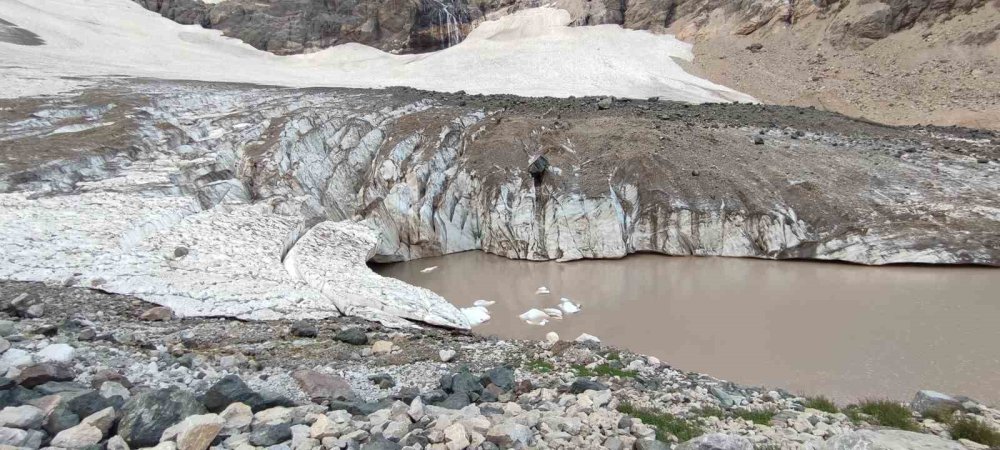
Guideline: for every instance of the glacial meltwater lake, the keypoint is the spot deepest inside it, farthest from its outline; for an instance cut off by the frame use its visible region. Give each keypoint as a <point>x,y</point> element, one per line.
<point>841,330</point>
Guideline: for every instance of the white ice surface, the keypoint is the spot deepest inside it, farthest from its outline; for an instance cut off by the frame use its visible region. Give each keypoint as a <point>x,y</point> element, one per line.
<point>532,53</point>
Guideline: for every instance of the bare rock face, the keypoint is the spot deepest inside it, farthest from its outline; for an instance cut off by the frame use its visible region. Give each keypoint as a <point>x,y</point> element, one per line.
<point>281,196</point>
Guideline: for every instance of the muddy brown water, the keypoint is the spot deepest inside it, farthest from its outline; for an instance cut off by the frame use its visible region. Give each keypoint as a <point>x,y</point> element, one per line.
<point>845,331</point>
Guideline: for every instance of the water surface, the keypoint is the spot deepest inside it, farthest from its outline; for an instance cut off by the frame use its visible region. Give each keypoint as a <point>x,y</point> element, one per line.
<point>816,328</point>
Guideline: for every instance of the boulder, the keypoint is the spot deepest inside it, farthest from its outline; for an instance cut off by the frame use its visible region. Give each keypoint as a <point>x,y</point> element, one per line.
<point>24,417</point>
<point>37,374</point>
<point>117,443</point>
<point>13,436</point>
<point>650,444</point>
<point>147,415</point>
<point>195,432</point>
<point>502,377</point>
<point>930,401</point>
<point>446,355</point>
<point>57,353</point>
<point>716,441</point>
<point>231,389</point>
<point>80,436</point>
<point>889,440</point>
<point>322,387</point>
<point>353,336</point>
<point>91,402</point>
<point>102,420</point>
<point>237,417</point>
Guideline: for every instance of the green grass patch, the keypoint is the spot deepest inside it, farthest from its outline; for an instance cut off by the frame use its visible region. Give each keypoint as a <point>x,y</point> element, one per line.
<point>976,431</point>
<point>944,415</point>
<point>757,416</point>
<point>602,370</point>
<point>539,366</point>
<point>822,403</point>
<point>886,413</point>
<point>665,424</point>
<point>710,411</point>
<point>613,355</point>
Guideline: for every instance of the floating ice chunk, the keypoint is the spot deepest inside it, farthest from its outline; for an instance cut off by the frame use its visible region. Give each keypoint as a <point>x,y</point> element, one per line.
<point>568,306</point>
<point>429,269</point>
<point>535,317</point>
<point>551,337</point>
<point>554,313</point>
<point>587,338</point>
<point>483,303</point>
<point>476,314</point>
<point>542,290</point>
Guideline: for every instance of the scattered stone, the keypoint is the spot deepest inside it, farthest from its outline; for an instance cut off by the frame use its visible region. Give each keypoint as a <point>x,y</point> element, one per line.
<point>321,387</point>
<point>34,311</point>
<point>447,354</point>
<point>180,252</point>
<point>37,374</point>
<point>509,435</point>
<point>157,314</point>
<point>382,347</point>
<point>382,380</point>
<point>582,385</point>
<point>604,103</point>
<point>757,140</point>
<point>353,336</point>
<point>304,330</point>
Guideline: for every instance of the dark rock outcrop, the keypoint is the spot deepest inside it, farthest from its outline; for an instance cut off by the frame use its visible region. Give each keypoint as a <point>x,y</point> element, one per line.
<point>147,415</point>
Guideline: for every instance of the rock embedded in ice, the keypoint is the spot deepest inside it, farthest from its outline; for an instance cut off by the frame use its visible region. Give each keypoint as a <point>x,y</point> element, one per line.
<point>568,306</point>
<point>429,269</point>
<point>535,317</point>
<point>483,303</point>
<point>542,291</point>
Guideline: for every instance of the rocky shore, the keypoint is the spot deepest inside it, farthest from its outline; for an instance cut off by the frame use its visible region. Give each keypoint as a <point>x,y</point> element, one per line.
<point>86,369</point>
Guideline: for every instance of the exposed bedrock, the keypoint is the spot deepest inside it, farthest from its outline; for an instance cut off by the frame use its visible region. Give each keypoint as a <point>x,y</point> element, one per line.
<point>296,26</point>
<point>263,203</point>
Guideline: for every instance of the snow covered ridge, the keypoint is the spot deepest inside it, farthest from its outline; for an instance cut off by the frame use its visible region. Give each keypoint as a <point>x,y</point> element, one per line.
<point>533,53</point>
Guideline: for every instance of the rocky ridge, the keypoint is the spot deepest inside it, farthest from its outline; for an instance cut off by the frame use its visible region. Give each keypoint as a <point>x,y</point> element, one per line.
<point>84,369</point>
<point>160,179</point>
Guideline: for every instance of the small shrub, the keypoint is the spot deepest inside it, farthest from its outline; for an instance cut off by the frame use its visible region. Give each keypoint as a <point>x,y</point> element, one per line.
<point>976,431</point>
<point>822,403</point>
<point>886,413</point>
<point>944,414</point>
<point>665,424</point>
<point>539,366</point>
<point>758,416</point>
<point>710,411</point>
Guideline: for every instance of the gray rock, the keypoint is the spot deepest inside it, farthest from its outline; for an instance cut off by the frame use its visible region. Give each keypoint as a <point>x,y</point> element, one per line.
<point>457,400</point>
<point>353,336</point>
<point>147,415</point>
<point>716,441</point>
<point>13,436</point>
<point>270,434</point>
<point>7,328</point>
<point>231,389</point>
<point>502,377</point>
<point>889,440</point>
<point>380,443</point>
<point>586,384</point>
<point>24,417</point>
<point>930,401</point>
<point>304,329</point>
<point>509,435</point>
<point>604,103</point>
